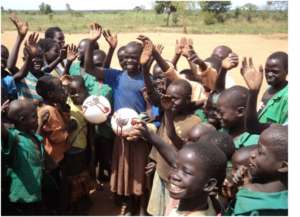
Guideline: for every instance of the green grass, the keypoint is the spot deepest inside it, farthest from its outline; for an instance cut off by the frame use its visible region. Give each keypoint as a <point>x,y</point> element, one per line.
<point>145,21</point>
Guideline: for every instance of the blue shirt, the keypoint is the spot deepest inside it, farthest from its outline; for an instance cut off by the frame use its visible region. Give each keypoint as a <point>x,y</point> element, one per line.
<point>8,83</point>
<point>156,114</point>
<point>127,90</point>
<point>27,88</point>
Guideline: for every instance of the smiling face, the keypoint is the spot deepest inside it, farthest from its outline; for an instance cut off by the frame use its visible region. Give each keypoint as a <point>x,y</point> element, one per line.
<point>274,72</point>
<point>186,179</point>
<point>227,114</point>
<point>132,55</point>
<point>37,62</point>
<point>180,97</point>
<point>121,57</point>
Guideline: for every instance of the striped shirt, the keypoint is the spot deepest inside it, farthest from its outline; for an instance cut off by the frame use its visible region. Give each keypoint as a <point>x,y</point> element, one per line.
<point>27,88</point>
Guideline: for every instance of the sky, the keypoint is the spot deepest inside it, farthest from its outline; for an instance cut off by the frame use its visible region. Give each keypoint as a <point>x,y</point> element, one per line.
<point>97,4</point>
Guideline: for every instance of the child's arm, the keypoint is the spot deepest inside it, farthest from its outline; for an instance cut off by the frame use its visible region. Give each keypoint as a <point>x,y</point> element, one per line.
<point>72,54</point>
<point>112,40</point>
<point>178,52</point>
<point>187,52</point>
<point>168,152</point>
<point>62,55</point>
<point>228,63</point>
<point>22,28</point>
<point>167,104</point>
<point>159,49</point>
<point>96,31</point>
<point>30,51</point>
<point>253,79</point>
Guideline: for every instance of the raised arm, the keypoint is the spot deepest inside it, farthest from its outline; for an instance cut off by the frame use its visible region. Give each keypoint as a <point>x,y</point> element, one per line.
<point>95,33</point>
<point>188,52</point>
<point>62,55</point>
<point>22,28</point>
<point>228,63</point>
<point>112,40</point>
<point>31,50</point>
<point>253,79</point>
<point>72,54</point>
<point>178,52</point>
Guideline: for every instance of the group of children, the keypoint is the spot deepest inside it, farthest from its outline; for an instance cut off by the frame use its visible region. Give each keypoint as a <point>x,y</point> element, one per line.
<point>200,146</point>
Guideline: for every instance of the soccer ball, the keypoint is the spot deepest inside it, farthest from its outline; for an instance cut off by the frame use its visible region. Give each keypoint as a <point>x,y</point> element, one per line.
<point>123,120</point>
<point>96,109</point>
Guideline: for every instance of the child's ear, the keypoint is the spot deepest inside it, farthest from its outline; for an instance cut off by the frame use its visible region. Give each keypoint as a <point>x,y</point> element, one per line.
<point>211,185</point>
<point>284,167</point>
<point>240,111</point>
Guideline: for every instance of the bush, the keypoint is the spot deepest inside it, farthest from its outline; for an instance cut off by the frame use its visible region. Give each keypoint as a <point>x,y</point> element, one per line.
<point>209,19</point>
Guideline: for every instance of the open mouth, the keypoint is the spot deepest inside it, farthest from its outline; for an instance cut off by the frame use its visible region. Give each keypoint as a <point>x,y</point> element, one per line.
<point>174,189</point>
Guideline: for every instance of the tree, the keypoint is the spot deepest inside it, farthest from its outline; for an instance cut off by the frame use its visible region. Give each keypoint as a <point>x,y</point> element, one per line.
<point>68,7</point>
<point>217,8</point>
<point>45,8</point>
<point>165,7</point>
<point>249,11</point>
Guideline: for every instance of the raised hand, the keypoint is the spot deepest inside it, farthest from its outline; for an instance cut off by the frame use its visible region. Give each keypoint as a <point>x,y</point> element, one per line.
<point>230,62</point>
<point>22,26</point>
<point>95,32</point>
<point>63,52</point>
<point>187,49</point>
<point>252,77</point>
<point>159,48</point>
<point>147,50</point>
<point>178,48</point>
<point>72,53</point>
<point>112,40</point>
<point>31,44</point>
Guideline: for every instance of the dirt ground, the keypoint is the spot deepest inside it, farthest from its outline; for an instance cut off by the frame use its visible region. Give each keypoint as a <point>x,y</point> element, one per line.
<point>257,46</point>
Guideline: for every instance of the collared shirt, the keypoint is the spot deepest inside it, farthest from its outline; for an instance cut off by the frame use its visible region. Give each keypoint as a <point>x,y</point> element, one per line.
<point>261,203</point>
<point>25,165</point>
<point>276,109</point>
<point>27,88</point>
<point>245,139</point>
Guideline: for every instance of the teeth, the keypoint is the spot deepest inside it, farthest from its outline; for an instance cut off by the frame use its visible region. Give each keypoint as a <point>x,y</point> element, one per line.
<point>175,189</point>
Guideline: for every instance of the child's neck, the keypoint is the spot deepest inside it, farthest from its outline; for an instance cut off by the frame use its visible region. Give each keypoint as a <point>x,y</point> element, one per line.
<point>237,130</point>
<point>193,204</point>
<point>271,186</point>
<point>279,86</point>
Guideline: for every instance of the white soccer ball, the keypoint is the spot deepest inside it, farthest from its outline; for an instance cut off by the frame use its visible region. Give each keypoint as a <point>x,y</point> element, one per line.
<point>122,121</point>
<point>96,109</point>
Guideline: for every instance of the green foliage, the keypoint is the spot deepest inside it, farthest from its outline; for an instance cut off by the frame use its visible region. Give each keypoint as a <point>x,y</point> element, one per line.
<point>237,13</point>
<point>215,6</point>
<point>209,18</point>
<point>45,8</point>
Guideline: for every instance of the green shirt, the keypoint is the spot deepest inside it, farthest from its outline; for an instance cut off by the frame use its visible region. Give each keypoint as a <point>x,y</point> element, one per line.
<point>276,109</point>
<point>245,139</point>
<point>261,203</point>
<point>200,113</point>
<point>25,166</point>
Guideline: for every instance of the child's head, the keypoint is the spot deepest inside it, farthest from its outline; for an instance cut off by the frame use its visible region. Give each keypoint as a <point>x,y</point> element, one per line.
<point>199,130</point>
<point>231,106</point>
<point>99,58</point>
<point>121,57</point>
<point>199,168</point>
<point>133,52</point>
<point>50,49</point>
<point>241,157</point>
<point>36,62</point>
<point>82,46</point>
<point>276,68</point>
<point>222,140</point>
<point>214,62</point>
<point>211,110</point>
<point>270,159</point>
<point>180,91</point>
<point>77,90</point>
<point>4,57</point>
<point>23,113</point>
<point>51,89</point>
<point>221,52</point>
<point>56,34</point>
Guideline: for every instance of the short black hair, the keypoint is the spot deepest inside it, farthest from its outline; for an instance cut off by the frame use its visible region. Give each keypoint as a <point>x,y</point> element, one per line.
<point>282,57</point>
<point>183,84</point>
<point>96,45</point>
<point>214,62</point>
<point>122,48</point>
<point>46,44</point>
<point>100,53</point>
<point>235,96</point>
<point>16,107</point>
<point>50,32</point>
<point>78,79</point>
<point>45,84</point>
<point>278,137</point>
<point>222,140</point>
<point>212,159</point>
<point>136,45</point>
<point>225,50</point>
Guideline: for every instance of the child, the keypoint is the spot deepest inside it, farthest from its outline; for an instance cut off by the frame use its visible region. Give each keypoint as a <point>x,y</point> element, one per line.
<point>121,57</point>
<point>191,178</point>
<point>23,149</point>
<point>231,107</point>
<point>274,108</point>
<point>268,192</point>
<point>199,130</point>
